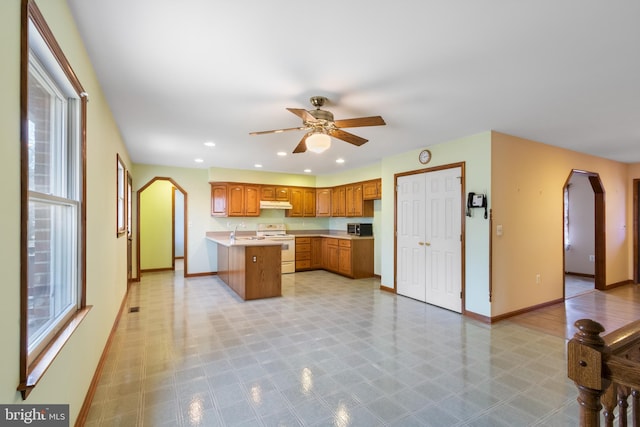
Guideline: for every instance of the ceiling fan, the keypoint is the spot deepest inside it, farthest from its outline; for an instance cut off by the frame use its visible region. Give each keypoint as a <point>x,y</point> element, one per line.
<point>320,126</point>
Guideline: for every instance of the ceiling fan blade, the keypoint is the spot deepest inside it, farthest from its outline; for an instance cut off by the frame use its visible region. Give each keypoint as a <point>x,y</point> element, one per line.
<point>302,145</point>
<point>360,121</point>
<point>263,132</point>
<point>348,137</point>
<point>303,114</point>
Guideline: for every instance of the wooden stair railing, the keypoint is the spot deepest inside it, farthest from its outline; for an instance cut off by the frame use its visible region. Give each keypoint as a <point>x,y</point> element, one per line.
<point>606,370</point>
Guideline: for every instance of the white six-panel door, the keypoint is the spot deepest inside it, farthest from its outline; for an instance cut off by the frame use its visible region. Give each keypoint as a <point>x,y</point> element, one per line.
<point>411,222</point>
<point>429,242</point>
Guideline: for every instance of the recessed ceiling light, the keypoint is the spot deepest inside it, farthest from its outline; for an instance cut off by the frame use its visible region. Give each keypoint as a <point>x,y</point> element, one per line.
<point>257,165</point>
<point>282,153</point>
<point>198,160</point>
<point>339,160</point>
<point>210,144</point>
<point>307,170</point>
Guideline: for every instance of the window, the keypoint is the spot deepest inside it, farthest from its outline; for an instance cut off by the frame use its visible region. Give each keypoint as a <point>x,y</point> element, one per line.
<point>121,201</point>
<point>129,194</point>
<point>52,243</point>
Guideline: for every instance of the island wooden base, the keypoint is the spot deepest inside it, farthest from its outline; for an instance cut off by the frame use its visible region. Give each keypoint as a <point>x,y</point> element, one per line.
<point>253,272</point>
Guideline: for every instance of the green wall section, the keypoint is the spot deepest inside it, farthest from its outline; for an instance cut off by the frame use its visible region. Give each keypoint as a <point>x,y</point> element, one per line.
<point>475,152</point>
<point>156,226</point>
<point>69,376</point>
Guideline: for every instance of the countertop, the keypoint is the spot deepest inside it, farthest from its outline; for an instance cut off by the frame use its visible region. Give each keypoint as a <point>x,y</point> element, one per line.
<point>223,239</point>
<point>328,233</point>
<point>245,238</point>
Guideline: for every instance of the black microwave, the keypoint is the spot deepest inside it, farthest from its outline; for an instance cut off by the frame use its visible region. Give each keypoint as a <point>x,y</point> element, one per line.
<point>358,229</point>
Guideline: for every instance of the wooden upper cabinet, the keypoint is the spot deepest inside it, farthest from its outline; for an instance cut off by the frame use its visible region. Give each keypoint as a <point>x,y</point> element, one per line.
<point>296,200</point>
<point>242,199</point>
<point>303,202</point>
<point>338,201</point>
<point>251,200</point>
<point>235,200</point>
<point>230,199</point>
<point>267,193</point>
<point>274,193</point>
<point>282,194</point>
<point>309,202</point>
<point>372,190</point>
<point>323,202</point>
<point>353,196</point>
<point>219,199</point>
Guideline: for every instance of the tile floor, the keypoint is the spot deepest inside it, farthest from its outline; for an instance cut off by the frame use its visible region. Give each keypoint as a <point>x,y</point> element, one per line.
<point>330,352</point>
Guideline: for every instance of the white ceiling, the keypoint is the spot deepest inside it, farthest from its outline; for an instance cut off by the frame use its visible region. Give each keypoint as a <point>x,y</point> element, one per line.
<point>177,73</point>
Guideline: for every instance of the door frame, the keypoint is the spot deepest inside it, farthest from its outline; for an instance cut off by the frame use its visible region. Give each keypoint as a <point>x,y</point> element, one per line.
<point>460,165</point>
<point>636,230</point>
<point>600,236</point>
<point>140,190</point>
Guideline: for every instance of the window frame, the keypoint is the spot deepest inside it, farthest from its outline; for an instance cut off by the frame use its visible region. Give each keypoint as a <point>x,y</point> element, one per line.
<point>33,368</point>
<point>121,197</point>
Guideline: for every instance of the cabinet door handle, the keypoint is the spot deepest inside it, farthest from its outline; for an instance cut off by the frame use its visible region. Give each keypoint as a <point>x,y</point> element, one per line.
<point>424,243</point>
<point>421,243</point>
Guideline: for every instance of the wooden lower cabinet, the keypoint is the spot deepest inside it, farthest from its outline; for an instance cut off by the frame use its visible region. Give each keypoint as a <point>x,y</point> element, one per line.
<point>348,257</point>
<point>308,253</point>
<point>316,252</point>
<point>331,262</point>
<point>345,266</point>
<point>303,253</point>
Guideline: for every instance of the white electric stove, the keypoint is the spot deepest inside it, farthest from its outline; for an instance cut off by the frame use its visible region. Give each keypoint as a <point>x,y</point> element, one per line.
<point>278,232</point>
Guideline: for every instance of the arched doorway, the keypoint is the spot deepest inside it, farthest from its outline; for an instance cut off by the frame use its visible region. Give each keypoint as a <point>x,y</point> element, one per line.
<point>166,202</point>
<point>598,223</point>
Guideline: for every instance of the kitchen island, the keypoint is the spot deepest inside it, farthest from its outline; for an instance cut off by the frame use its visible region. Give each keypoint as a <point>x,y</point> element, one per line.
<point>249,266</point>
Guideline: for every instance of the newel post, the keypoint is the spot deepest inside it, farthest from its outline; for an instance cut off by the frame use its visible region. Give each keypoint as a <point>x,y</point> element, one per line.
<point>586,354</point>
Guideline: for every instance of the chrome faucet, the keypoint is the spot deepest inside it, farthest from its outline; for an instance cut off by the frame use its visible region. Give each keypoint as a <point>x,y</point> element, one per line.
<point>232,237</point>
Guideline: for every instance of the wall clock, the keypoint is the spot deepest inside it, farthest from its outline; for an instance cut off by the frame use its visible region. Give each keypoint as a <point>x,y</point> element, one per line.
<point>424,156</point>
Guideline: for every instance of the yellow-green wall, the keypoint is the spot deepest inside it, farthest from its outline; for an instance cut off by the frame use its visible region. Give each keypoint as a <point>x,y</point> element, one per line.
<point>156,226</point>
<point>475,152</point>
<point>68,378</point>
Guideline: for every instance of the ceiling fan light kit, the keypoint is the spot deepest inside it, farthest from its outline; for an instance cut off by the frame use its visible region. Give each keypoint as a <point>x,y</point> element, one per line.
<point>321,127</point>
<point>318,142</point>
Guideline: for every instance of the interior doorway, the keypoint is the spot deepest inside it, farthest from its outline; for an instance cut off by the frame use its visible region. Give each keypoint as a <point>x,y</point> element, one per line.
<point>157,229</point>
<point>583,228</point>
<point>178,230</point>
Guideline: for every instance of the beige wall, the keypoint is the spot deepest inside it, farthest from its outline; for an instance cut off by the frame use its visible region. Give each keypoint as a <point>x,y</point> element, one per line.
<point>527,181</point>
<point>68,378</point>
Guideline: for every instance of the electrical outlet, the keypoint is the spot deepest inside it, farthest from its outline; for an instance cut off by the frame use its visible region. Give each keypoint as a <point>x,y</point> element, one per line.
<point>537,279</point>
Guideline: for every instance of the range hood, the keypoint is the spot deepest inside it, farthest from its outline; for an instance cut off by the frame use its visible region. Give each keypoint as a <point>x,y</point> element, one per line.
<point>268,204</point>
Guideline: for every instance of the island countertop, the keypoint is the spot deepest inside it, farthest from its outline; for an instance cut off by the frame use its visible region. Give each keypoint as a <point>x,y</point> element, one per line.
<point>242,240</point>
